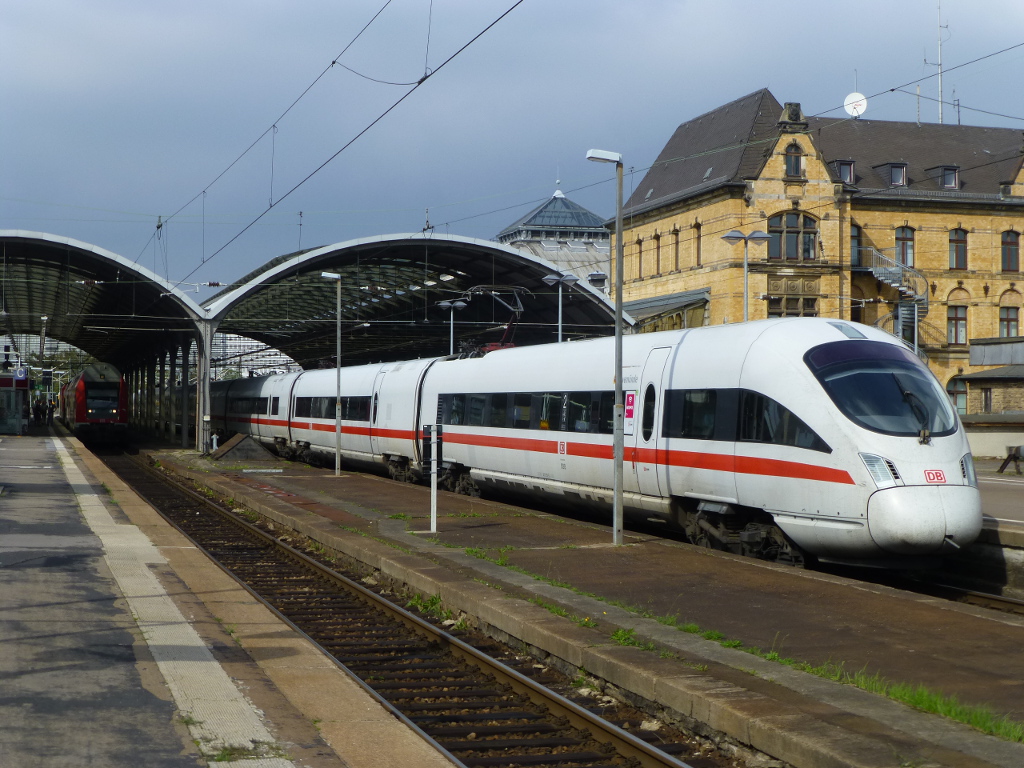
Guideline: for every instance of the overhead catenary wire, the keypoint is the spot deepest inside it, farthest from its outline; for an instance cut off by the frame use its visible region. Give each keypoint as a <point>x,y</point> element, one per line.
<point>291,106</point>
<point>362,132</point>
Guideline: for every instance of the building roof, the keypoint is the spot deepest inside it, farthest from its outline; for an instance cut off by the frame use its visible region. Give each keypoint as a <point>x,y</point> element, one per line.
<point>730,144</point>
<point>720,147</point>
<point>641,309</point>
<point>985,157</point>
<point>558,214</point>
<point>1007,350</point>
<point>1005,372</point>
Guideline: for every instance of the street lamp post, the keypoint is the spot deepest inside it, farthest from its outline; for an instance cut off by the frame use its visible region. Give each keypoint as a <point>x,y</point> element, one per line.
<point>337,397</point>
<point>451,306</point>
<point>618,430</point>
<point>757,237</point>
<point>563,279</point>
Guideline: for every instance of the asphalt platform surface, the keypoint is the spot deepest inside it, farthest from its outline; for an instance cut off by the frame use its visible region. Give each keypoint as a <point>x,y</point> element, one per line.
<point>122,645</point>
<point>510,567</point>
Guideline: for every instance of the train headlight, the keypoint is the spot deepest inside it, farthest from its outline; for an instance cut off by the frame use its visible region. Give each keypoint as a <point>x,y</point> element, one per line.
<point>883,471</point>
<point>967,470</point>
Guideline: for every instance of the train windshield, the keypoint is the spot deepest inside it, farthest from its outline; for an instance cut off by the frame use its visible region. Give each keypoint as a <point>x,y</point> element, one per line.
<point>101,398</point>
<point>883,387</point>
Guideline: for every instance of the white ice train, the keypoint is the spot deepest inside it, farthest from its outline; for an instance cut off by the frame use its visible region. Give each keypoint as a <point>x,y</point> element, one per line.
<point>791,439</point>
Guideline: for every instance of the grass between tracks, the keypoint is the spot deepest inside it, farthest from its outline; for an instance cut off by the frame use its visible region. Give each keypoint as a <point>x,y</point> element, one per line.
<point>917,696</point>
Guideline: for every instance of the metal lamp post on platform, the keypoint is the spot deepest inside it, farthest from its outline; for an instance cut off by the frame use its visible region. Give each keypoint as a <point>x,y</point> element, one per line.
<point>452,306</point>
<point>337,398</point>
<point>618,431</point>
<point>568,281</point>
<point>755,237</point>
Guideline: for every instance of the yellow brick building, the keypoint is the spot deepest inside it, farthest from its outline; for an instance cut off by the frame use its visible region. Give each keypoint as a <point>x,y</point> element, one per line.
<point>913,227</point>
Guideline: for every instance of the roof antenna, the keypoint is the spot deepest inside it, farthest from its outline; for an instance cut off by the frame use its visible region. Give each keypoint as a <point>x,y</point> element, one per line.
<point>939,64</point>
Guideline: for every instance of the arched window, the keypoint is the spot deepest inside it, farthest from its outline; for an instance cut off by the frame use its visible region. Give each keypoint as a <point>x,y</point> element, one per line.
<point>794,237</point>
<point>958,249</point>
<point>905,246</point>
<point>1011,251</point>
<point>794,161</point>
<point>957,391</point>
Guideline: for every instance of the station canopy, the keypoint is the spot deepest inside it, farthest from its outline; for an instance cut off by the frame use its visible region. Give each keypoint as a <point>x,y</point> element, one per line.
<point>391,293</point>
<point>90,298</point>
<point>392,289</point>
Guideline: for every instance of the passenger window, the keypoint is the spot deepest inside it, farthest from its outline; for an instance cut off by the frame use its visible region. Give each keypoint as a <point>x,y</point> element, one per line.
<point>274,404</point>
<point>647,423</point>
<point>550,411</point>
<point>475,410</point>
<point>578,412</point>
<point>606,415</point>
<point>690,414</point>
<point>763,420</point>
<point>499,410</point>
<point>458,411</point>
<point>521,410</point>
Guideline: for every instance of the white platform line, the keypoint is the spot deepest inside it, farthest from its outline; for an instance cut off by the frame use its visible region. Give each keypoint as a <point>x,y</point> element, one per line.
<point>218,715</point>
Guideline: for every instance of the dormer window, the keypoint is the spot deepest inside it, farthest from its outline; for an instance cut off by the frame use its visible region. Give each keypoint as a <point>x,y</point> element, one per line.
<point>950,177</point>
<point>897,174</point>
<point>794,161</point>
<point>845,171</point>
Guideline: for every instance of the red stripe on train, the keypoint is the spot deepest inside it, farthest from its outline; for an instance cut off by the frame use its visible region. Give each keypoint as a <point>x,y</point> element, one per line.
<point>717,462</point>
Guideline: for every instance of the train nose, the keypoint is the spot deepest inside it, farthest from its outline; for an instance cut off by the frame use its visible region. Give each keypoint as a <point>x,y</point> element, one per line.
<point>918,520</point>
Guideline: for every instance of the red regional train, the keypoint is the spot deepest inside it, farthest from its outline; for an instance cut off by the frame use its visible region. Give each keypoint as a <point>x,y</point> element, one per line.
<point>789,439</point>
<point>94,404</point>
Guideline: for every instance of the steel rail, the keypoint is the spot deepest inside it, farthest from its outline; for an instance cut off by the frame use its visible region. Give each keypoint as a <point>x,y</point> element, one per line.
<point>622,741</point>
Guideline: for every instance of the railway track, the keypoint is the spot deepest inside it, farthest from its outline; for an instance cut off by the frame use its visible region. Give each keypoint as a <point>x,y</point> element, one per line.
<point>961,594</point>
<point>479,710</point>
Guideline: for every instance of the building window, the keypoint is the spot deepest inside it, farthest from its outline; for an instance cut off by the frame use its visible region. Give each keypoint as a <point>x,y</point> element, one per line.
<point>905,246</point>
<point>856,243</point>
<point>794,161</point>
<point>957,391</point>
<point>639,258</point>
<point>657,253</point>
<point>696,244</point>
<point>1011,251</point>
<point>986,400</point>
<point>794,237</point>
<point>675,248</point>
<point>956,325</point>
<point>792,306</point>
<point>857,310</point>
<point>1009,322</point>
<point>950,177</point>
<point>958,249</point>
<point>898,175</point>
<point>845,168</point>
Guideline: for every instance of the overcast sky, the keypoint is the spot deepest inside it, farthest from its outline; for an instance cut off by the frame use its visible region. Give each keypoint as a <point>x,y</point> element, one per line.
<point>117,114</point>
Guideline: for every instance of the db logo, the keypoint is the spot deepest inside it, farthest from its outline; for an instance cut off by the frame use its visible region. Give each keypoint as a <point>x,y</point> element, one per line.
<point>561,448</point>
<point>934,476</point>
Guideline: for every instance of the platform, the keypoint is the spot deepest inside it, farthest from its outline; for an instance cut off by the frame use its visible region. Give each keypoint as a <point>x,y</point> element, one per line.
<point>559,585</point>
<point>124,646</point>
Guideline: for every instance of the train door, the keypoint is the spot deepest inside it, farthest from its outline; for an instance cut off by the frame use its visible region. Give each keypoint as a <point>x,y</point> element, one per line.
<point>378,383</point>
<point>649,445</point>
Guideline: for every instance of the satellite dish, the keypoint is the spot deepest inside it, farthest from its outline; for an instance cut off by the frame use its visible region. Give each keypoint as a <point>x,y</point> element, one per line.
<point>856,104</point>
